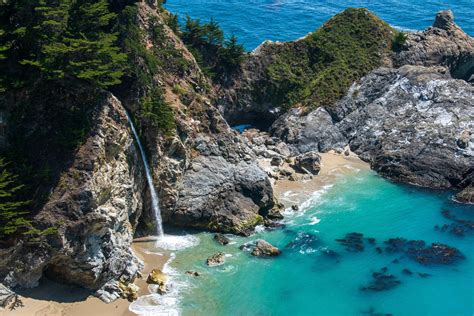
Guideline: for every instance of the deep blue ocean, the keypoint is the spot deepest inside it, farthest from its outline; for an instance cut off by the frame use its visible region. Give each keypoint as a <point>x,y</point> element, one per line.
<point>282,20</point>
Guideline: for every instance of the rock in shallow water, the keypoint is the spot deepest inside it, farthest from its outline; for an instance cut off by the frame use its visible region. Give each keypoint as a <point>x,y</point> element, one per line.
<point>221,239</point>
<point>264,249</point>
<point>216,259</point>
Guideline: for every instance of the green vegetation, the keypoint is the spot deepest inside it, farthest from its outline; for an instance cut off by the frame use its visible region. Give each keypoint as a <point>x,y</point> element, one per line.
<point>399,41</point>
<point>159,113</point>
<point>216,56</point>
<point>319,69</point>
<point>61,39</point>
<point>12,211</point>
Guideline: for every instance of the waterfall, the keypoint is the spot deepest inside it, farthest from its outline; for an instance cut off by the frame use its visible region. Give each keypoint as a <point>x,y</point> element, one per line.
<point>154,197</point>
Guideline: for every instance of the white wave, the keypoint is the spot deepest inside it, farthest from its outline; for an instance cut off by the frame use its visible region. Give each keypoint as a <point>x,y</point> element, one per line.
<point>154,305</point>
<point>259,229</point>
<point>173,242</point>
<point>314,220</point>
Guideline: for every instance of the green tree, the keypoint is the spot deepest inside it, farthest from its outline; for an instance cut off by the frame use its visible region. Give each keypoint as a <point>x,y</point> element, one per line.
<point>160,114</point>
<point>12,213</point>
<point>75,41</point>
<point>173,23</point>
<point>232,54</point>
<point>213,34</point>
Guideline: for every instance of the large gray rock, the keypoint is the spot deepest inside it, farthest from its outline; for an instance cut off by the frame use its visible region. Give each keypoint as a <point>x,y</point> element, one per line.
<point>312,132</point>
<point>407,123</point>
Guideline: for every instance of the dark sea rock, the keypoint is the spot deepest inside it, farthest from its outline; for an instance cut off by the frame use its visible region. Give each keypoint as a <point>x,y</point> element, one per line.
<point>221,239</point>
<point>381,281</point>
<point>407,271</point>
<point>353,242</point>
<point>458,227</point>
<point>418,251</point>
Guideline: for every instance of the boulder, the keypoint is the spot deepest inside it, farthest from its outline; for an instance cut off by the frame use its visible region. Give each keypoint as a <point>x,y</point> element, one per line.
<point>264,249</point>
<point>276,161</point>
<point>156,276</point>
<point>216,259</point>
<point>466,195</point>
<point>309,162</point>
<point>221,239</point>
<point>129,291</point>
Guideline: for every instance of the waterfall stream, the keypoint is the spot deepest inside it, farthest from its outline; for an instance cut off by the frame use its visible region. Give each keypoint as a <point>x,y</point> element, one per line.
<point>154,197</point>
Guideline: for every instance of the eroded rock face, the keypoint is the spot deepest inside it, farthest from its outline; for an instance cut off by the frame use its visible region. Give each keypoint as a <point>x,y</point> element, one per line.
<point>95,208</point>
<point>407,123</point>
<point>444,44</point>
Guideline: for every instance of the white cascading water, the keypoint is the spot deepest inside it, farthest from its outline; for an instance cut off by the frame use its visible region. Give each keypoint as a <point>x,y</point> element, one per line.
<point>154,197</point>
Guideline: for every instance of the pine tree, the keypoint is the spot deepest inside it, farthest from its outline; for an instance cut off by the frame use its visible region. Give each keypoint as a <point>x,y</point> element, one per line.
<point>12,215</point>
<point>213,33</point>
<point>232,54</point>
<point>75,41</point>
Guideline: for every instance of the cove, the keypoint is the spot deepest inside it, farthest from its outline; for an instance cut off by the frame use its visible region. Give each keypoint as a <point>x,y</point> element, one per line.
<point>315,275</point>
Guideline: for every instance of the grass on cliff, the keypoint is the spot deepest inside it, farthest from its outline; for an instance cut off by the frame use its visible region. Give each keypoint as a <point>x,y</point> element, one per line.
<point>318,70</point>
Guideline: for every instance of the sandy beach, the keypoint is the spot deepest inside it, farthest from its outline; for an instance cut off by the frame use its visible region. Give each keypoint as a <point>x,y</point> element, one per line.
<point>54,299</point>
<point>333,165</point>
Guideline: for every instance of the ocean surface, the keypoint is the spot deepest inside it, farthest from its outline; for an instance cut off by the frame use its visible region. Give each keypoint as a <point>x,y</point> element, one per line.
<point>282,20</point>
<point>317,275</point>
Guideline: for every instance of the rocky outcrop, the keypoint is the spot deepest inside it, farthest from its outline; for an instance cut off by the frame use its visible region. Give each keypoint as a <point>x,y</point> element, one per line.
<point>466,195</point>
<point>407,123</point>
<point>414,124</point>
<point>216,259</point>
<point>312,132</point>
<point>309,162</point>
<point>94,208</point>
<point>263,248</point>
<point>444,44</point>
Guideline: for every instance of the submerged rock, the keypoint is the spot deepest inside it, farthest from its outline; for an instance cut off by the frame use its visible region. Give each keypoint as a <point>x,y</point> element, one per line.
<point>262,248</point>
<point>216,259</point>
<point>353,242</point>
<point>193,273</point>
<point>417,250</point>
<point>304,243</point>
<point>382,281</point>
<point>221,239</point>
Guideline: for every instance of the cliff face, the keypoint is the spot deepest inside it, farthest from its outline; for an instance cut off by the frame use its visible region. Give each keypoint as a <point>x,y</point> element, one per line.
<point>205,175</point>
<point>94,208</point>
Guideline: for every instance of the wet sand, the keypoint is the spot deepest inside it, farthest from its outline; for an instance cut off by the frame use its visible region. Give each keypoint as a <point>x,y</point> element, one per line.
<point>54,299</point>
<point>333,165</point>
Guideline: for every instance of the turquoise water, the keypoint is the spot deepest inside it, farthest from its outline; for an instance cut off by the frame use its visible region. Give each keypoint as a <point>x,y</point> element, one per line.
<point>304,281</point>
<point>282,20</point>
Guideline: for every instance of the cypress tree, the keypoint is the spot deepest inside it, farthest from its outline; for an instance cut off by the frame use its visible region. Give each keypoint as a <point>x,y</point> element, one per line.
<point>12,215</point>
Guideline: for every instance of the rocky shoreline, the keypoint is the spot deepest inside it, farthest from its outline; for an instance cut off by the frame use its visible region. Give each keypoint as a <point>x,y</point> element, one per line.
<point>411,119</point>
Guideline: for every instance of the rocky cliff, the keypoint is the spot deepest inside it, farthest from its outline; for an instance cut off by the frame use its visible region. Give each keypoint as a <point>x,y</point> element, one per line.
<point>414,123</point>
<point>94,209</point>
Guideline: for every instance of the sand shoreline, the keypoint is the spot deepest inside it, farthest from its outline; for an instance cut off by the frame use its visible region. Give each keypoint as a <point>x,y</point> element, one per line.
<point>62,300</point>
<point>54,299</point>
